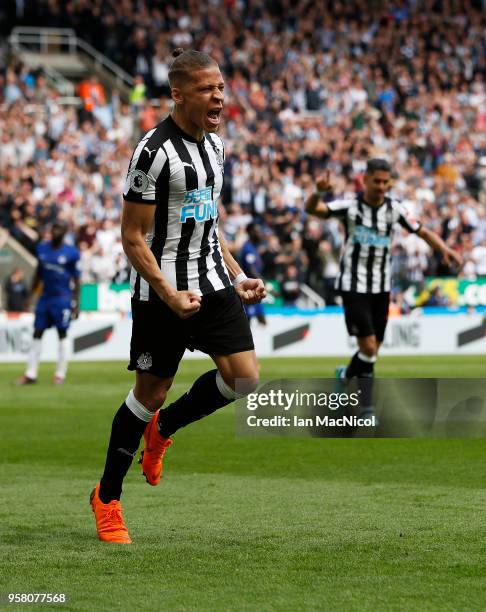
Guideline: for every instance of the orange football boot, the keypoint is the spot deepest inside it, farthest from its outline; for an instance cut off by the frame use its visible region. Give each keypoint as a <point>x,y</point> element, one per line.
<point>153,452</point>
<point>109,519</point>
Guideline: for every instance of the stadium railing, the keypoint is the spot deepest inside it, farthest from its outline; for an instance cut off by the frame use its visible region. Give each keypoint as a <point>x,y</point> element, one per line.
<point>65,41</point>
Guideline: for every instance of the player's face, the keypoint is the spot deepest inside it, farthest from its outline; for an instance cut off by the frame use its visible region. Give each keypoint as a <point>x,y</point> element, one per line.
<point>203,98</point>
<point>377,184</point>
<point>58,232</point>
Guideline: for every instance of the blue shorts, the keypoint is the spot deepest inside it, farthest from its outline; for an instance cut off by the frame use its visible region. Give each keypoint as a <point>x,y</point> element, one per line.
<point>254,310</point>
<point>54,311</point>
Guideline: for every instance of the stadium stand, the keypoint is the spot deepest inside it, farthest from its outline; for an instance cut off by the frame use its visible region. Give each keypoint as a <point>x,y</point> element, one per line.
<point>322,85</point>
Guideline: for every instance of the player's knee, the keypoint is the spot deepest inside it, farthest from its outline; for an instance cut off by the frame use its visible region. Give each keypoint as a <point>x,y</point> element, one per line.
<point>152,396</point>
<point>62,333</point>
<point>251,384</point>
<point>153,401</point>
<point>369,347</point>
<point>38,333</point>
<point>252,379</point>
<point>159,398</point>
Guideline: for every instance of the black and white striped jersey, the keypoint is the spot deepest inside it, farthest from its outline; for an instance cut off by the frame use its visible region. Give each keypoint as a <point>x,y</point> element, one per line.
<point>183,178</point>
<point>365,259</point>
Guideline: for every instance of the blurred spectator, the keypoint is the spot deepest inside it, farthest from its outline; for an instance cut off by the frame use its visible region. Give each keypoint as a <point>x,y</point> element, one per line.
<point>290,285</point>
<point>281,217</point>
<point>16,292</point>
<point>330,272</point>
<point>478,256</point>
<point>437,298</point>
<point>398,304</point>
<point>138,92</point>
<point>148,117</point>
<point>308,85</point>
<point>274,261</point>
<point>92,93</point>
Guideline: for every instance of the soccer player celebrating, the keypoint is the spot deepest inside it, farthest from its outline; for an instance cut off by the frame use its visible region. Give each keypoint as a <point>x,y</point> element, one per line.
<point>58,274</point>
<point>187,290</point>
<point>364,279</point>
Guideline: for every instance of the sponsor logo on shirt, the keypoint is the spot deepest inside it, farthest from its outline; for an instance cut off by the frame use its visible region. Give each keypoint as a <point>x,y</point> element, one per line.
<point>55,268</point>
<point>199,205</point>
<point>368,236</point>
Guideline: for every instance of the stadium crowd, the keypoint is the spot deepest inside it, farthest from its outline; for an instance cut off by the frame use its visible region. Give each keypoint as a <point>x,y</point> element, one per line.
<point>308,86</point>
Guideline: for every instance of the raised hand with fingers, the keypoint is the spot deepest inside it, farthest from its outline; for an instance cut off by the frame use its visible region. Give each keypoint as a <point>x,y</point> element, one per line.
<point>452,258</point>
<point>323,182</point>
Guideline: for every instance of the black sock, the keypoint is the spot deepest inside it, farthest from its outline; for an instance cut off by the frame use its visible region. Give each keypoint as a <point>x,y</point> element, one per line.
<point>365,384</point>
<point>364,371</point>
<point>126,431</point>
<point>359,367</point>
<point>202,399</point>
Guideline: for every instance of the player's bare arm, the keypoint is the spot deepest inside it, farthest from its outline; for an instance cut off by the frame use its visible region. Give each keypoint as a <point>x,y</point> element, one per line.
<point>251,290</point>
<point>136,222</point>
<point>433,240</point>
<point>314,204</point>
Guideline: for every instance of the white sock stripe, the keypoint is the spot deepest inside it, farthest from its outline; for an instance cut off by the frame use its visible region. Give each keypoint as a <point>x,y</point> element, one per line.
<point>225,390</point>
<point>366,358</point>
<point>137,408</point>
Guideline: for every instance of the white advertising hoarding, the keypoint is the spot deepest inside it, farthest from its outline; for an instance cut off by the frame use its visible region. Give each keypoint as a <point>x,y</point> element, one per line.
<point>107,337</point>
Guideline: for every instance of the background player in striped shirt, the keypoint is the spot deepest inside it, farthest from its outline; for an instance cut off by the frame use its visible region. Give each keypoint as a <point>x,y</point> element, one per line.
<point>369,221</point>
<point>187,289</point>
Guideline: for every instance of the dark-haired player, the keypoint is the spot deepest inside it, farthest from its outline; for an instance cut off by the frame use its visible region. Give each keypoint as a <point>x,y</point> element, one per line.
<point>187,290</point>
<point>58,276</point>
<point>252,265</point>
<point>369,219</point>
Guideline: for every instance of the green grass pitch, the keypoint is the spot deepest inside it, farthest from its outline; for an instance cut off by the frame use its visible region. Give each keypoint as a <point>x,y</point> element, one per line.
<point>239,523</point>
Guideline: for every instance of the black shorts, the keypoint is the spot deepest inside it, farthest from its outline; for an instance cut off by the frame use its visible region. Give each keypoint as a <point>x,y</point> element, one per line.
<point>160,337</point>
<point>366,314</point>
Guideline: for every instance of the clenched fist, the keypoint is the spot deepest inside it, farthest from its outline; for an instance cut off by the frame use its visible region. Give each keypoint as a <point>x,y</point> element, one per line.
<point>184,303</point>
<point>251,290</point>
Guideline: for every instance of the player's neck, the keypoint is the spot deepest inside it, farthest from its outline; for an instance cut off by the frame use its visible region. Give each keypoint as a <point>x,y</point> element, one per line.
<point>375,202</point>
<point>186,125</point>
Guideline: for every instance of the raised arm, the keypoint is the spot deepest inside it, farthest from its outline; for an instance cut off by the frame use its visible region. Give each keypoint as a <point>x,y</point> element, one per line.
<point>314,204</point>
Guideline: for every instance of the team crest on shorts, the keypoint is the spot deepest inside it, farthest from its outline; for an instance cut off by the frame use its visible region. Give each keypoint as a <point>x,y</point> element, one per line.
<point>144,362</point>
<point>138,181</point>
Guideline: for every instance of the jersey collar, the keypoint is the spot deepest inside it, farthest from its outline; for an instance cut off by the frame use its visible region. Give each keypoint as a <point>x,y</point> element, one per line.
<point>180,132</point>
<point>363,201</point>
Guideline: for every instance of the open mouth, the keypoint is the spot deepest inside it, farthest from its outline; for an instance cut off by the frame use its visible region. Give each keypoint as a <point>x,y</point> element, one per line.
<point>214,116</point>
